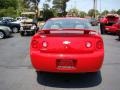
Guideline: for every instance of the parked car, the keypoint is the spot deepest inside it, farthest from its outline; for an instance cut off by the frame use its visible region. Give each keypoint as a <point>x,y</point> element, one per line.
<point>20,19</point>
<point>108,22</point>
<point>5,32</point>
<point>14,26</point>
<point>4,18</point>
<point>93,21</point>
<point>67,45</point>
<point>113,28</point>
<point>28,27</point>
<point>118,29</point>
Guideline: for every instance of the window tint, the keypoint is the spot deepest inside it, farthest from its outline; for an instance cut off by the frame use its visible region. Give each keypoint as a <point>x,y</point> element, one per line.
<point>67,23</point>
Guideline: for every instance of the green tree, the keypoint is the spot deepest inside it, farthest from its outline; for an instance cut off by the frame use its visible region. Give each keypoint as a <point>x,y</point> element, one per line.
<point>82,14</point>
<point>93,13</point>
<point>105,12</point>
<point>60,6</point>
<point>74,12</point>
<point>48,13</point>
<point>113,11</point>
<point>21,6</point>
<point>33,5</point>
<point>8,12</point>
<point>9,8</point>
<point>118,12</point>
<point>8,3</point>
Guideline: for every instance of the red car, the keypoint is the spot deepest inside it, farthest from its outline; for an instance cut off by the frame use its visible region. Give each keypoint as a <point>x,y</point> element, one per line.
<point>67,45</point>
<point>109,23</point>
<point>114,28</point>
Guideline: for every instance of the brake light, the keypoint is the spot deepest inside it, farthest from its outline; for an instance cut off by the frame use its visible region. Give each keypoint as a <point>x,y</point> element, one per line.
<point>99,44</point>
<point>45,44</point>
<point>88,44</point>
<point>93,33</point>
<point>35,44</point>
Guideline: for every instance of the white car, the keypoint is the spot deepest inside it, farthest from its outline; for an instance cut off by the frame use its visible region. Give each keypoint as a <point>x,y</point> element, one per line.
<point>5,32</point>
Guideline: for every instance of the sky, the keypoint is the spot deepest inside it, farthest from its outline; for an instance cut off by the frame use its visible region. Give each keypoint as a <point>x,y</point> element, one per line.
<point>85,5</point>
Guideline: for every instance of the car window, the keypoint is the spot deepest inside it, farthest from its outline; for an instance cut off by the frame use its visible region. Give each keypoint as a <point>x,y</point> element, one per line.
<point>55,26</point>
<point>79,26</point>
<point>67,23</point>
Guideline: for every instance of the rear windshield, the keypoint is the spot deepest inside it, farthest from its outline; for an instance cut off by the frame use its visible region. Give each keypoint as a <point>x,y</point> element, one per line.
<point>112,18</point>
<point>67,23</point>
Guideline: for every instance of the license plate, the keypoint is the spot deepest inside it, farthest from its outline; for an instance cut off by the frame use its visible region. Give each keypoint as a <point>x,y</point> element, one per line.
<point>67,63</point>
<point>107,28</point>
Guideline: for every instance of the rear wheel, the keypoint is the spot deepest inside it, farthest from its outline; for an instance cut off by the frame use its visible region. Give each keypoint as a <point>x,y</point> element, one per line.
<point>105,32</point>
<point>118,33</point>
<point>102,28</point>
<point>33,32</point>
<point>15,29</point>
<point>2,35</point>
<point>119,37</point>
<point>22,33</point>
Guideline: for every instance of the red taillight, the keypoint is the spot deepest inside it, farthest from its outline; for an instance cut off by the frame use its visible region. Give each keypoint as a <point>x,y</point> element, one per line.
<point>45,44</point>
<point>99,44</point>
<point>34,44</point>
<point>88,44</point>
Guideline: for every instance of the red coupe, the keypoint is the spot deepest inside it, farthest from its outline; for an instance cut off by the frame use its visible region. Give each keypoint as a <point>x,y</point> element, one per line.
<point>67,45</point>
<point>114,28</point>
<point>110,23</point>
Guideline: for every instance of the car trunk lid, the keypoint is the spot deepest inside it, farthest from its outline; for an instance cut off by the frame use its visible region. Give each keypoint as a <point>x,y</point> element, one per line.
<point>68,41</point>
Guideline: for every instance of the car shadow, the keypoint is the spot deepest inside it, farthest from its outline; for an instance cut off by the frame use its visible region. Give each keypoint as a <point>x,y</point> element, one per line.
<point>69,80</point>
<point>113,34</point>
<point>8,37</point>
<point>117,39</point>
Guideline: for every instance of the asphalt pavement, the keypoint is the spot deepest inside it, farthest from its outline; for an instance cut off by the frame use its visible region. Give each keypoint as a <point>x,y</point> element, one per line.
<point>16,72</point>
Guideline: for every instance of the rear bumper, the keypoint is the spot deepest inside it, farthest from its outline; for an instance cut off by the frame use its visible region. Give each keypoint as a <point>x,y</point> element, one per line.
<point>111,29</point>
<point>85,62</point>
<point>30,31</point>
<point>27,30</point>
<point>118,32</point>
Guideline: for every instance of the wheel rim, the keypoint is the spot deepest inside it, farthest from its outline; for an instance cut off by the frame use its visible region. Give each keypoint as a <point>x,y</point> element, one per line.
<point>15,30</point>
<point>1,35</point>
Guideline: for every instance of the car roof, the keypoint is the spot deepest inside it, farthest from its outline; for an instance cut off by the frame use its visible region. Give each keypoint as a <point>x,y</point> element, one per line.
<point>60,18</point>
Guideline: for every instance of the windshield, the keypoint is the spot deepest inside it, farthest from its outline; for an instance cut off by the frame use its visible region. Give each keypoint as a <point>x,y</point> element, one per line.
<point>67,23</point>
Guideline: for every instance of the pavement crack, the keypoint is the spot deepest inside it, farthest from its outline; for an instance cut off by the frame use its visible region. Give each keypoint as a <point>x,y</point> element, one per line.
<point>16,67</point>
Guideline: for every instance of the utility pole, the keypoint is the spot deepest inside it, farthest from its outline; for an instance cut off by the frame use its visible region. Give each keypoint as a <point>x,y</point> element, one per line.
<point>94,7</point>
<point>37,9</point>
<point>100,6</point>
<point>75,3</point>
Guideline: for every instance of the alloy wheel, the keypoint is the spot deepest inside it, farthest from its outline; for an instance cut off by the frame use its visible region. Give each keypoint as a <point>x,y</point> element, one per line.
<point>15,30</point>
<point>1,35</point>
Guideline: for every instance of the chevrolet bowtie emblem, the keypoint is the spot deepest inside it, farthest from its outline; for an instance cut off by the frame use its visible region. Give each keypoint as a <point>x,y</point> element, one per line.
<point>66,42</point>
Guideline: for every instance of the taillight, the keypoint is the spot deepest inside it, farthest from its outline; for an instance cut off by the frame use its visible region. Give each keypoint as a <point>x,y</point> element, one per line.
<point>35,44</point>
<point>88,44</point>
<point>45,44</point>
<point>99,44</point>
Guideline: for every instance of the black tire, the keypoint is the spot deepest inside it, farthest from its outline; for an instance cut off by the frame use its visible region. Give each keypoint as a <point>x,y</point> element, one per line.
<point>118,33</point>
<point>102,28</point>
<point>22,33</point>
<point>2,35</point>
<point>15,30</point>
<point>105,32</point>
<point>119,37</point>
<point>33,32</point>
<point>39,72</point>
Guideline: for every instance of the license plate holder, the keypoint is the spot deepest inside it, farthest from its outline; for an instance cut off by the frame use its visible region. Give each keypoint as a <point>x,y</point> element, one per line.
<point>66,63</point>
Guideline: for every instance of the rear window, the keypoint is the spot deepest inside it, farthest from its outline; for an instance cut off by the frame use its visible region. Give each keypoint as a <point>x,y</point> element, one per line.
<point>67,23</point>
